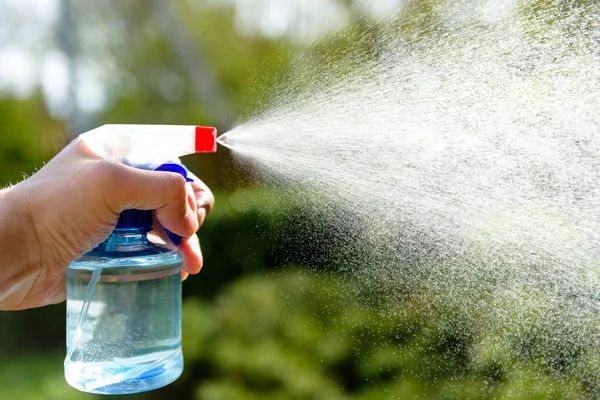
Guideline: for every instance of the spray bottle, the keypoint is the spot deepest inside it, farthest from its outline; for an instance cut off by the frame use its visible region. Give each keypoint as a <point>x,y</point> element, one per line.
<point>124,296</point>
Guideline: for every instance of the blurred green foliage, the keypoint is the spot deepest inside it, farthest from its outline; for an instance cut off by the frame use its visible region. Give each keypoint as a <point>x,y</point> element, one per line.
<point>299,335</point>
<point>28,137</point>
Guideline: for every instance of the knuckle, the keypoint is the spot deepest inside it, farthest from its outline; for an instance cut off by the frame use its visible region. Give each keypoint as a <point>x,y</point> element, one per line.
<point>176,194</point>
<point>176,183</point>
<point>178,187</point>
<point>107,178</point>
<point>108,172</point>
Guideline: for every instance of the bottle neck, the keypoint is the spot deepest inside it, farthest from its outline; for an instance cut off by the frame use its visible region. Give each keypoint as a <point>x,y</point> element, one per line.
<point>129,237</point>
<point>129,243</point>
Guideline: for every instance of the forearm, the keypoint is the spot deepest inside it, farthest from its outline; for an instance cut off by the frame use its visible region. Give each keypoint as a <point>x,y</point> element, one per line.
<point>19,250</point>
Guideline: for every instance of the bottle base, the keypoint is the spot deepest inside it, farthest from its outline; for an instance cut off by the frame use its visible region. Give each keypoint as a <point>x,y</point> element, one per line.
<point>126,377</point>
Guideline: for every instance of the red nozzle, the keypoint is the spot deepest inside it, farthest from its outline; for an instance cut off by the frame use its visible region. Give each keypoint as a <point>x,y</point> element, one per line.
<point>206,139</point>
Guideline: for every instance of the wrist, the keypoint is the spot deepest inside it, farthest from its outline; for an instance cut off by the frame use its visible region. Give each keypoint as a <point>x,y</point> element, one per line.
<point>20,258</point>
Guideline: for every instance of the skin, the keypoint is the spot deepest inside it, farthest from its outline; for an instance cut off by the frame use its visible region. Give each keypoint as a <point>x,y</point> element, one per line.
<point>71,205</point>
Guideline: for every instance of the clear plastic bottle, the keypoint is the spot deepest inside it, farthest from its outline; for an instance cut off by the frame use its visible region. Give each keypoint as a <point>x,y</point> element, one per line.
<point>124,312</point>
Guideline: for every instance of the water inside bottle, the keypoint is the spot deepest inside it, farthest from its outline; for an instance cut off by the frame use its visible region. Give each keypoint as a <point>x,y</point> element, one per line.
<point>123,327</point>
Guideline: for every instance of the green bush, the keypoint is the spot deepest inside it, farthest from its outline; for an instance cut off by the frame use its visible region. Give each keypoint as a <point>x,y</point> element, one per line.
<point>295,334</point>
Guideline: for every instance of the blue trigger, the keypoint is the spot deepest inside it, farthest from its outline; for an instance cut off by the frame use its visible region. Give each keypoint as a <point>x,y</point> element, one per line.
<point>176,239</point>
<point>174,167</point>
<point>183,171</point>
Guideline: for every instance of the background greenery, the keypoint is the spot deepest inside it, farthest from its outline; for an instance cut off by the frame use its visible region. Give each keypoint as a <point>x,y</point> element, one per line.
<point>269,317</point>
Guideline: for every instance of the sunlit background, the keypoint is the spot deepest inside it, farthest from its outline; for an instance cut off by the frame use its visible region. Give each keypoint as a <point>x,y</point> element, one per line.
<point>268,318</point>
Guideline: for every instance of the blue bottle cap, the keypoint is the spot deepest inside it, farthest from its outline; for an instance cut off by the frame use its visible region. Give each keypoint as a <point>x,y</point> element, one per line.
<point>135,219</point>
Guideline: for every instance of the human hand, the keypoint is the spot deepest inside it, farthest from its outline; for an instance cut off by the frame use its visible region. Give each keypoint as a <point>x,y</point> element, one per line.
<point>72,205</point>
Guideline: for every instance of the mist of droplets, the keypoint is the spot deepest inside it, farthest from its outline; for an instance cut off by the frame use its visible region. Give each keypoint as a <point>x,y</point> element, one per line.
<point>466,158</point>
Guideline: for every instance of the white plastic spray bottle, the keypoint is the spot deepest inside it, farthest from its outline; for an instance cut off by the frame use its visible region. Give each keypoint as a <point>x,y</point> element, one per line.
<point>124,297</point>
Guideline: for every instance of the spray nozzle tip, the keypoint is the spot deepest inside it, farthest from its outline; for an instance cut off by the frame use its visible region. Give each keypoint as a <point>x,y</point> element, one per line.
<point>206,139</point>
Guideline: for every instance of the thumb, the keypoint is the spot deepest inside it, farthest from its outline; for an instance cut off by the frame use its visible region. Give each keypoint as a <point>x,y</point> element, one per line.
<point>164,192</point>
